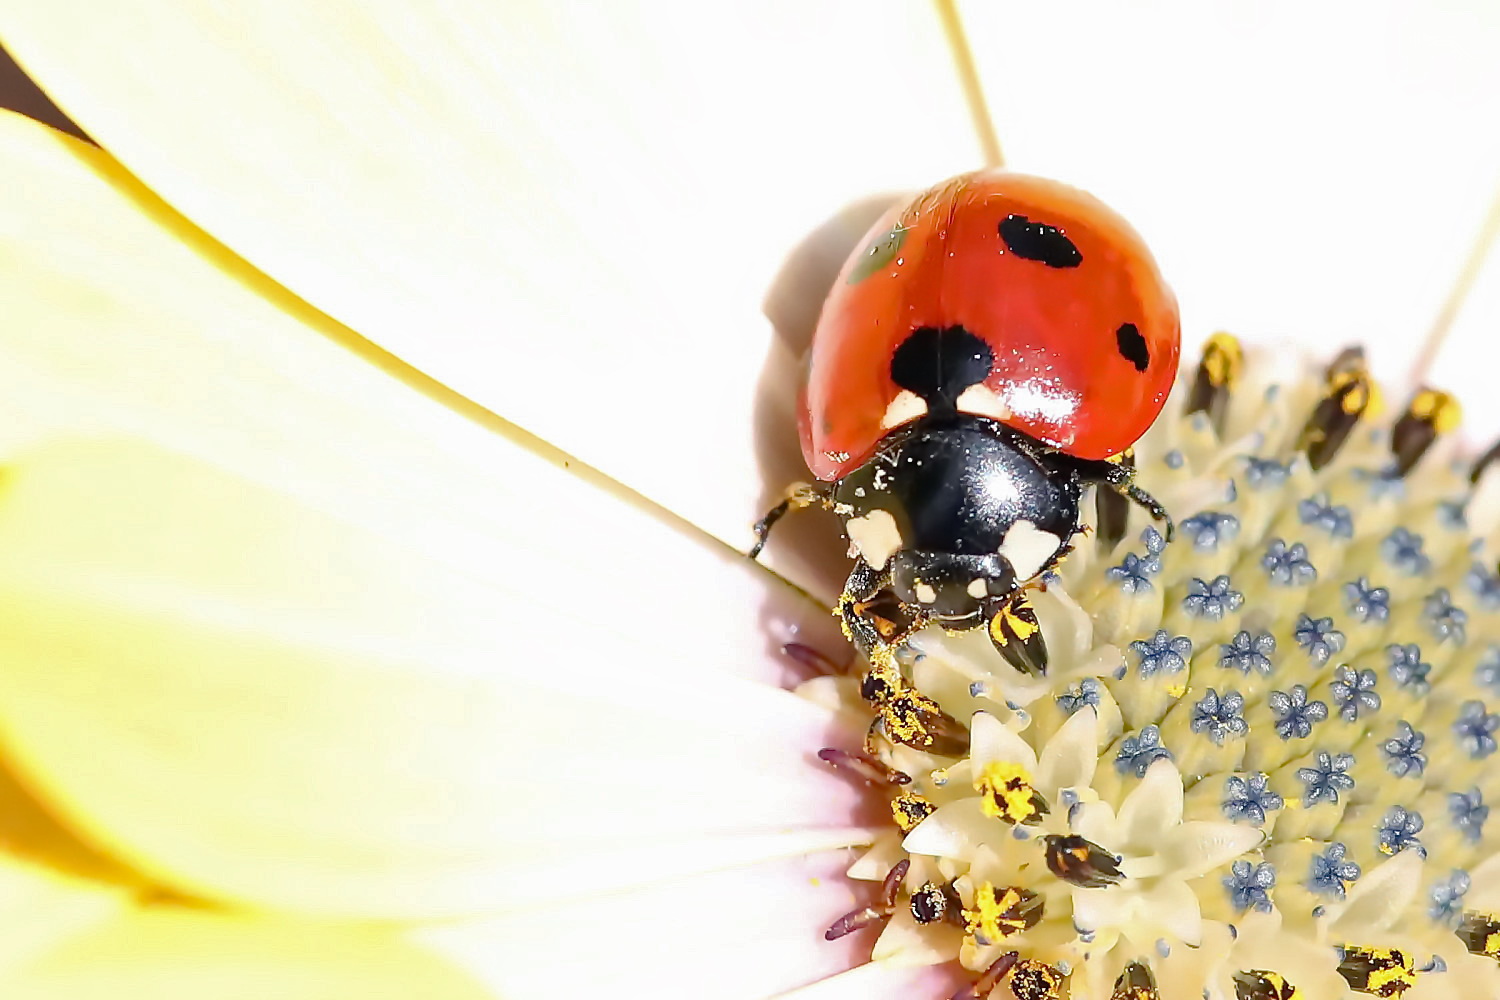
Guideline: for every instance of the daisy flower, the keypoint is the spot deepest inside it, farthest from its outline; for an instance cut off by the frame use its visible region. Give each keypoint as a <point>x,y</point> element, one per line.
<point>387,400</point>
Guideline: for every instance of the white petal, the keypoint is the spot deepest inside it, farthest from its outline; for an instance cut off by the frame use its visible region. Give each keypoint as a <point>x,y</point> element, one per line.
<point>1377,898</point>
<point>279,627</point>
<point>1155,806</point>
<point>955,830</point>
<point>1100,909</point>
<point>1072,754</point>
<point>1484,891</point>
<point>576,216</point>
<point>906,942</point>
<point>1197,847</point>
<point>1173,906</point>
<point>879,981</point>
<point>744,934</point>
<point>991,741</point>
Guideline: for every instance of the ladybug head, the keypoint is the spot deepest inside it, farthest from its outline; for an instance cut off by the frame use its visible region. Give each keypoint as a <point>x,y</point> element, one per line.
<point>959,511</point>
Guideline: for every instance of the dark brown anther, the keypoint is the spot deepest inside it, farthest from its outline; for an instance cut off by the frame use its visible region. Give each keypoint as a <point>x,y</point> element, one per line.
<point>1218,374</point>
<point>1137,982</point>
<point>1017,635</point>
<point>1482,463</point>
<point>1381,972</point>
<point>1430,414</point>
<point>1033,980</point>
<point>910,809</point>
<point>1114,509</point>
<point>890,888</point>
<point>867,767</point>
<point>1082,862</point>
<point>1480,933</point>
<point>1262,984</point>
<point>1346,362</point>
<point>806,656</point>
<point>914,720</point>
<point>854,920</point>
<point>933,902</point>
<point>1348,394</point>
<point>986,983</point>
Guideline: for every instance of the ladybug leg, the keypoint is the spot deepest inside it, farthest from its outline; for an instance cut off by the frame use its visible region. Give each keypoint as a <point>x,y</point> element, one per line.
<point>799,495</point>
<point>1120,478</point>
<point>874,618</point>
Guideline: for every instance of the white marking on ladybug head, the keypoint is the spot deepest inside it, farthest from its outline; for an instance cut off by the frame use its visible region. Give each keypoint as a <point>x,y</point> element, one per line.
<point>905,407</point>
<point>876,537</point>
<point>983,401</point>
<point>977,589</point>
<point>924,593</point>
<point>1028,548</point>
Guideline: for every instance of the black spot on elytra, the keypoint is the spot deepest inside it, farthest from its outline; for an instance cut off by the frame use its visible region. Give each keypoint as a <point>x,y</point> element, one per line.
<point>939,364</point>
<point>1039,241</point>
<point>1133,346</point>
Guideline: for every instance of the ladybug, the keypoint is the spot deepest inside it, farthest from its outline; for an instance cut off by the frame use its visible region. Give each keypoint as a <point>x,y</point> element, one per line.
<point>997,345</point>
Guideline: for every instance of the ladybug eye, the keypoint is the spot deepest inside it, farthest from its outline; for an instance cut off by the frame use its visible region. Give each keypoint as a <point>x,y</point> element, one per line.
<point>1133,346</point>
<point>879,254</point>
<point>1039,241</point>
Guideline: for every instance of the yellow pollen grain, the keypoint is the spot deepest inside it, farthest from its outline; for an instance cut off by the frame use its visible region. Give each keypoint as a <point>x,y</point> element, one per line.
<point>1006,792</point>
<point>1222,359</point>
<point>909,809</point>
<point>1438,409</point>
<point>903,717</point>
<point>984,918</point>
<point>1389,974</point>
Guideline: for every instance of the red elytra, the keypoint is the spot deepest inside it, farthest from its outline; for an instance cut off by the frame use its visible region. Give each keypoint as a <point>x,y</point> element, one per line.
<point>1085,347</point>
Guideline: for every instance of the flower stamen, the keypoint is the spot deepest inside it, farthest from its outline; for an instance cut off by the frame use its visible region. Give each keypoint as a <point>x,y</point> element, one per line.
<point>1137,982</point>
<point>1381,972</point>
<point>1263,984</point>
<point>999,913</point>
<point>1082,862</point>
<point>854,920</point>
<point>870,769</point>
<point>1007,794</point>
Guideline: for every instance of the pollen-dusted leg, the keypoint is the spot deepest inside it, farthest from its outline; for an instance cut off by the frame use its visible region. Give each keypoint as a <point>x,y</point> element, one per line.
<point>873,617</point>
<point>799,495</point>
<point>877,623</point>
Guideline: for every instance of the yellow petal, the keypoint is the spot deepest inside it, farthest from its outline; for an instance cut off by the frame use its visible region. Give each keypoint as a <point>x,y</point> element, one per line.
<point>1275,157</point>
<point>574,214</point>
<point>279,627</point>
<point>188,955</point>
<point>40,906</point>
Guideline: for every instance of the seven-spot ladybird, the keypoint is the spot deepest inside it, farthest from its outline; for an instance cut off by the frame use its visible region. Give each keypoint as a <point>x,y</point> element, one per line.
<point>984,356</point>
